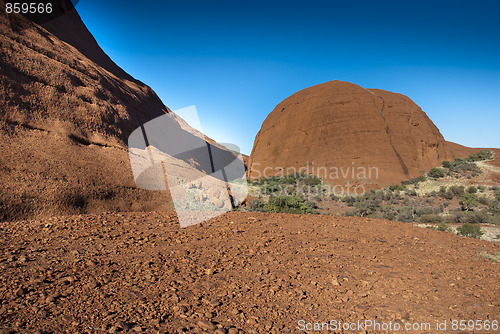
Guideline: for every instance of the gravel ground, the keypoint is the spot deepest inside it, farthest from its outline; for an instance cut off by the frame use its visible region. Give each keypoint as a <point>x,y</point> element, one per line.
<point>239,273</point>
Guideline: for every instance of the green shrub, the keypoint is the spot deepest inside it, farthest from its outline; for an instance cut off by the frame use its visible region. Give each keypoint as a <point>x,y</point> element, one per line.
<point>334,197</point>
<point>442,191</point>
<point>481,155</point>
<point>497,194</point>
<point>431,218</point>
<point>447,164</point>
<point>472,190</point>
<point>436,173</point>
<point>469,201</point>
<point>442,227</point>
<point>484,200</point>
<point>396,187</point>
<point>290,204</point>
<point>470,230</point>
<point>414,180</point>
<point>470,217</point>
<point>457,191</point>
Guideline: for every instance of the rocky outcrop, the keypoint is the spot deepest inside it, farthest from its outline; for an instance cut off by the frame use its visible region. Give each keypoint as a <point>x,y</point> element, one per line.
<point>348,135</point>
<point>67,111</point>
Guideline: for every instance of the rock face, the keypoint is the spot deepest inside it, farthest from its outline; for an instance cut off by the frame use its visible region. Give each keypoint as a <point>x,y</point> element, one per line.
<point>67,111</point>
<point>348,135</point>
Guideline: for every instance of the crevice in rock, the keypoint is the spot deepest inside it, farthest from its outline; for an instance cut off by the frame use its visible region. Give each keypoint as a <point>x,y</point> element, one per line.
<point>387,131</point>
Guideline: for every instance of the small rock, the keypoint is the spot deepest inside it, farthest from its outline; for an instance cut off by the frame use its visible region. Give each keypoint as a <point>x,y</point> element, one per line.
<point>19,292</point>
<point>220,331</point>
<point>207,325</point>
<point>122,325</point>
<point>213,302</point>
<point>51,298</point>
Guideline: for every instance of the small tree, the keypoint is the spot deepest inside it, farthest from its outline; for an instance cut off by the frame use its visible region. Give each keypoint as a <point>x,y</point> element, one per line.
<point>472,190</point>
<point>470,230</point>
<point>447,164</point>
<point>469,201</point>
<point>436,173</point>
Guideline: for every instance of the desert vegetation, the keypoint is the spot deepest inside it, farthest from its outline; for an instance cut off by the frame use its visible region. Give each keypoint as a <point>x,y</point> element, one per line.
<point>462,203</point>
<point>292,193</point>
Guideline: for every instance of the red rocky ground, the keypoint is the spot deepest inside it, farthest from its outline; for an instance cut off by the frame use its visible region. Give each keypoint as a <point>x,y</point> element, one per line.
<point>239,273</point>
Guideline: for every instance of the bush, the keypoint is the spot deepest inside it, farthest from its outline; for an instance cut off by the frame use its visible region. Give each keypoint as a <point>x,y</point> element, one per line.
<point>396,187</point>
<point>431,218</point>
<point>334,197</point>
<point>469,201</point>
<point>472,190</point>
<point>442,227</point>
<point>290,204</point>
<point>484,200</point>
<point>470,230</point>
<point>414,180</point>
<point>447,164</point>
<point>456,191</point>
<point>470,217</point>
<point>481,155</point>
<point>436,173</point>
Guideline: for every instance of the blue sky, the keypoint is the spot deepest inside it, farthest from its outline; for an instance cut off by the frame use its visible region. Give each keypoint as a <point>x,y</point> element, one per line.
<point>236,60</point>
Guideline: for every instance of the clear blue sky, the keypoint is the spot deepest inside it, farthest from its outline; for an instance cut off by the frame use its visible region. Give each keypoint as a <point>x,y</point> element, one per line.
<point>235,59</point>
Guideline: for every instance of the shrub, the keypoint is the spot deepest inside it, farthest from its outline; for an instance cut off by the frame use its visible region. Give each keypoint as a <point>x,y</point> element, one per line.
<point>469,217</point>
<point>442,227</point>
<point>442,191</point>
<point>436,173</point>
<point>431,218</point>
<point>481,155</point>
<point>447,164</point>
<point>469,201</point>
<point>472,190</point>
<point>470,230</point>
<point>290,204</point>
<point>426,210</point>
<point>412,193</point>
<point>396,187</point>
<point>414,180</point>
<point>484,200</point>
<point>457,190</point>
<point>334,197</point>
